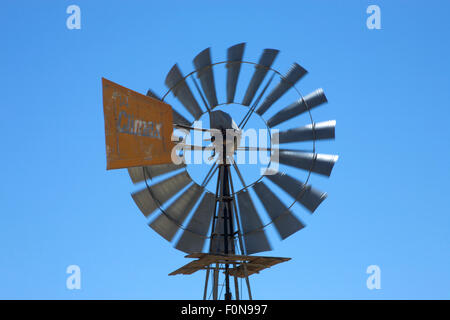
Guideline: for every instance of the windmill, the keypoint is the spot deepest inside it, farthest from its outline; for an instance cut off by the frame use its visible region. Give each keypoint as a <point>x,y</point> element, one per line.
<point>221,227</point>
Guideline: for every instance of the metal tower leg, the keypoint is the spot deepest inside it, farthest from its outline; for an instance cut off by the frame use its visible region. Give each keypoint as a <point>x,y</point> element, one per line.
<point>227,224</point>
<point>205,292</point>
<point>216,282</point>
<point>241,245</point>
<point>227,211</point>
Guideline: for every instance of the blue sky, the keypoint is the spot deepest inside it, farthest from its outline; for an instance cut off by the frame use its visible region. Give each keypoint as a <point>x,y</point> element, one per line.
<point>388,90</point>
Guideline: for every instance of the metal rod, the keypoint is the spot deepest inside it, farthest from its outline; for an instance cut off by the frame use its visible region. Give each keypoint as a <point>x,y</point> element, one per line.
<point>210,177</point>
<point>206,284</point>
<point>225,193</point>
<point>241,245</point>
<point>201,95</point>
<point>236,287</point>
<point>238,172</point>
<point>216,282</point>
<point>250,112</point>
<point>182,126</point>
<point>207,177</point>
<point>215,273</point>
<point>194,147</point>
<point>247,148</point>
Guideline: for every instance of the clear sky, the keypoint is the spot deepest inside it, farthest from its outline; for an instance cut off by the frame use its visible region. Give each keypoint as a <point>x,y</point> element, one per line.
<point>388,89</point>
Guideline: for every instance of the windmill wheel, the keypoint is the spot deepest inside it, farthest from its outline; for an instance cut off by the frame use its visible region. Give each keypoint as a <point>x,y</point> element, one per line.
<point>181,202</point>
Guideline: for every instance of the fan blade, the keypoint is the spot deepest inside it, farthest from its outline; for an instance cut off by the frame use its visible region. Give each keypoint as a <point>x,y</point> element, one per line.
<point>265,62</point>
<point>285,222</point>
<point>161,192</point>
<point>168,222</point>
<point>193,239</point>
<point>137,174</point>
<point>180,89</point>
<point>295,73</point>
<point>254,236</point>
<point>234,56</point>
<point>318,163</point>
<point>179,119</point>
<point>202,63</point>
<point>176,117</point>
<point>312,100</point>
<point>316,131</point>
<point>152,94</point>
<point>308,196</point>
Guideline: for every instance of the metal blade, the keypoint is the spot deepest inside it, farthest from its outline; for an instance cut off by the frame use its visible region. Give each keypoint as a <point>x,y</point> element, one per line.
<point>148,201</point>
<point>168,222</point>
<point>137,174</point>
<point>202,63</point>
<point>316,131</point>
<point>177,118</point>
<point>265,62</point>
<point>180,89</point>
<point>193,239</point>
<point>254,236</point>
<point>308,196</point>
<point>285,222</point>
<point>318,163</point>
<point>295,73</point>
<point>234,56</point>
<point>308,102</point>
<point>152,94</point>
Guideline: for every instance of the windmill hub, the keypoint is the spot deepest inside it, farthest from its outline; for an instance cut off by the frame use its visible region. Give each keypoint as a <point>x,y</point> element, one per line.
<point>228,135</point>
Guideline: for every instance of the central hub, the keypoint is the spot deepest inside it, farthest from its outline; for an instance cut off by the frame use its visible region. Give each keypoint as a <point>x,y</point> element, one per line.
<point>241,144</point>
<point>225,134</point>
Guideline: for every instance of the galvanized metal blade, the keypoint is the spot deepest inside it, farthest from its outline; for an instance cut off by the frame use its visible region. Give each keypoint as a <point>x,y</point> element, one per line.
<point>177,117</point>
<point>152,94</point>
<point>202,63</point>
<point>149,200</point>
<point>168,222</point>
<point>295,73</point>
<point>285,222</point>
<point>139,174</point>
<point>310,101</point>
<point>255,239</point>
<point>316,131</point>
<point>265,62</point>
<point>181,90</point>
<point>193,238</point>
<point>308,196</point>
<point>234,57</point>
<point>317,163</point>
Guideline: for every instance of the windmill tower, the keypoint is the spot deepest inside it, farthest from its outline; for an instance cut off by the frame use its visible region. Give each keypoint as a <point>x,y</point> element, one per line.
<point>221,226</point>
